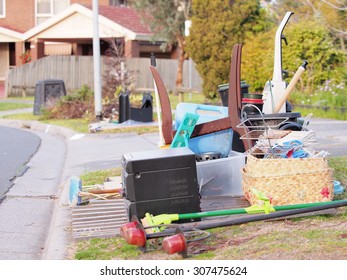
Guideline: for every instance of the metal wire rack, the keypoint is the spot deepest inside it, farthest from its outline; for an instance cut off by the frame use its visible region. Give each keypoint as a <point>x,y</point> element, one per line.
<point>260,126</point>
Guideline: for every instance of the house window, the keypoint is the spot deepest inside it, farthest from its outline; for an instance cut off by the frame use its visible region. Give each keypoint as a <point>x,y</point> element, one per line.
<point>2,8</point>
<point>118,2</point>
<point>48,8</point>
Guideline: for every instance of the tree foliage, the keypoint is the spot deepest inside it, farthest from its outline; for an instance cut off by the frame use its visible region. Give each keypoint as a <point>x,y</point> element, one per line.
<point>307,40</point>
<point>330,13</point>
<point>316,33</point>
<point>257,60</point>
<point>166,19</point>
<point>216,27</point>
<point>333,14</point>
<point>311,41</point>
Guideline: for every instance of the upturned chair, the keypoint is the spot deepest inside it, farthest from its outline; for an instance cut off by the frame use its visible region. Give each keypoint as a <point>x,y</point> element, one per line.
<point>234,108</point>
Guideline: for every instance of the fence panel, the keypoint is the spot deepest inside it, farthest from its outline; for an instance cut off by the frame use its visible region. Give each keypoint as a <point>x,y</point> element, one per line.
<point>76,71</point>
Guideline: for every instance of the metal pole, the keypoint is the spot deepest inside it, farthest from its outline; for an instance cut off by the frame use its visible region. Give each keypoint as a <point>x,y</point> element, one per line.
<point>187,25</point>
<point>97,63</point>
<point>190,78</point>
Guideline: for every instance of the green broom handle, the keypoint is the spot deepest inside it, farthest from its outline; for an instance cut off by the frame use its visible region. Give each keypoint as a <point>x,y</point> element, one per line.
<point>250,210</point>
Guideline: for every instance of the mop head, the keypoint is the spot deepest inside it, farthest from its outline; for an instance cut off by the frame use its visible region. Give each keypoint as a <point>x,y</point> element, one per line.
<point>75,188</point>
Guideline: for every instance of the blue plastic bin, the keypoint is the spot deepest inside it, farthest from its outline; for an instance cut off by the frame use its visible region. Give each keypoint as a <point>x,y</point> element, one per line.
<point>214,142</point>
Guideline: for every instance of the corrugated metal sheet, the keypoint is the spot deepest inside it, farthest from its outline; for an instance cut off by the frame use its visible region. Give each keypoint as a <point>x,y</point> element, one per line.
<point>100,218</point>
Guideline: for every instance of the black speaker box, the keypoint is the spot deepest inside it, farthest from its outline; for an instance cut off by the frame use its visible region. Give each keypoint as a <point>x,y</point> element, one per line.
<point>163,173</point>
<point>160,181</point>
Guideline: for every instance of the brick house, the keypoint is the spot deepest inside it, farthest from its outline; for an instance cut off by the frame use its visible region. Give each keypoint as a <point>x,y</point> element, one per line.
<point>65,27</point>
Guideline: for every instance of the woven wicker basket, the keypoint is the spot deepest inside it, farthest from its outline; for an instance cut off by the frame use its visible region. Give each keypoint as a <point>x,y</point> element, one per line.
<point>284,166</point>
<point>289,189</point>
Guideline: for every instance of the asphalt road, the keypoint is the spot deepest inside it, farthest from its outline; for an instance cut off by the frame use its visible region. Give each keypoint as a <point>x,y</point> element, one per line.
<point>16,149</point>
<point>26,212</point>
<point>331,136</point>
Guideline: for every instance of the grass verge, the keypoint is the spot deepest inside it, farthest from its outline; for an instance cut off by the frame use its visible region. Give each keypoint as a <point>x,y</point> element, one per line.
<point>77,125</point>
<point>320,113</point>
<point>99,176</point>
<point>82,125</point>
<point>320,237</point>
<point>4,106</point>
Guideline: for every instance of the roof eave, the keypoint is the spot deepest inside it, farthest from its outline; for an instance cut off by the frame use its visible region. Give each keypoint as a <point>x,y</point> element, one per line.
<point>74,8</point>
<point>77,8</point>
<point>17,36</point>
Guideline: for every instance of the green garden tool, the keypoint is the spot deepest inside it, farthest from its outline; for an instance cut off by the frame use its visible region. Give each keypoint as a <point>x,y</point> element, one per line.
<point>166,219</point>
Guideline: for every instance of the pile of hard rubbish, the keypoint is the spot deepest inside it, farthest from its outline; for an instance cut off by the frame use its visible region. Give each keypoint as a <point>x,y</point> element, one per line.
<point>249,160</point>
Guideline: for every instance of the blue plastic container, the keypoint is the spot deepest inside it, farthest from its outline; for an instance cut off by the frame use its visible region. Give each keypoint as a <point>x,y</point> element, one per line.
<point>338,189</point>
<point>219,142</point>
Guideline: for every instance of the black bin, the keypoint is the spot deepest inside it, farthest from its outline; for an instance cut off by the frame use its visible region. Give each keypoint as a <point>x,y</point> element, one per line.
<point>124,107</point>
<point>47,92</point>
<point>145,113</point>
<point>223,90</point>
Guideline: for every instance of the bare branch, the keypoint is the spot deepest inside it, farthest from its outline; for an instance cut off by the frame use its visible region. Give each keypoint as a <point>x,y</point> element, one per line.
<point>330,26</point>
<point>342,8</point>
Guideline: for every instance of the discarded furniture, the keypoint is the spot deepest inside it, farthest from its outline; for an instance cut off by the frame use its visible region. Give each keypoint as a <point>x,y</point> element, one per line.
<point>234,107</point>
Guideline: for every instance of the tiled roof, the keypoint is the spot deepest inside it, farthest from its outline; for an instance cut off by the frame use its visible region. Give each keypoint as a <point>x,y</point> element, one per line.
<point>127,17</point>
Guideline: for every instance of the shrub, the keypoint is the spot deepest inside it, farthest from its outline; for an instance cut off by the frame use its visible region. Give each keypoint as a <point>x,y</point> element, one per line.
<point>216,27</point>
<point>79,104</point>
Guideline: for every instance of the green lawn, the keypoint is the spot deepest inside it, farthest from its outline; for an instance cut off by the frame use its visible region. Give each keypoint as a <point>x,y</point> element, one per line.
<point>78,125</point>
<point>7,106</point>
<point>82,125</point>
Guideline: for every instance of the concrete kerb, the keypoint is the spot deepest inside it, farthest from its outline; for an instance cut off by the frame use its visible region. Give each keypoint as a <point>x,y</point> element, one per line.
<point>62,132</point>
<point>57,235</point>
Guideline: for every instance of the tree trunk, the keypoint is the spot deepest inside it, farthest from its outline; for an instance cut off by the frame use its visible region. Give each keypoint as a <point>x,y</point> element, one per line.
<point>343,46</point>
<point>181,58</point>
<point>342,43</point>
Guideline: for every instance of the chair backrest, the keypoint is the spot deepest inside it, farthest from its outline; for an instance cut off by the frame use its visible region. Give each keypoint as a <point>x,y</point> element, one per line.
<point>234,107</point>
<point>235,102</point>
<point>165,106</point>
